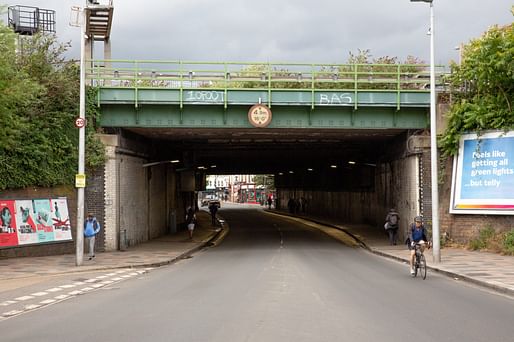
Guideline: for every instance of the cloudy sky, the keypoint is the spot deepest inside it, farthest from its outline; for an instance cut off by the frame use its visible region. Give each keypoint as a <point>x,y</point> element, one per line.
<point>307,31</point>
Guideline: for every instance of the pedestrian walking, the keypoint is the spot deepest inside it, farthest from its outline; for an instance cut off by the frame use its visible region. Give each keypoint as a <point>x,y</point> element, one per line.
<point>213,208</point>
<point>190,221</point>
<point>91,228</point>
<point>391,225</point>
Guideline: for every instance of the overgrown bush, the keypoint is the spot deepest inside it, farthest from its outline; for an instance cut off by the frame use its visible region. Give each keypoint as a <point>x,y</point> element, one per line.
<point>482,241</point>
<point>508,242</point>
<point>483,91</point>
<point>491,241</point>
<point>39,102</point>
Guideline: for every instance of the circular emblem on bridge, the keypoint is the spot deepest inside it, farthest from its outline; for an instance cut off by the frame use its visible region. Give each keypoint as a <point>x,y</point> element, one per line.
<point>259,115</point>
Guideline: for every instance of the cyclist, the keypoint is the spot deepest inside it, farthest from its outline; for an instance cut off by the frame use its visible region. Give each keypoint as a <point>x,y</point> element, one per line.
<point>417,234</point>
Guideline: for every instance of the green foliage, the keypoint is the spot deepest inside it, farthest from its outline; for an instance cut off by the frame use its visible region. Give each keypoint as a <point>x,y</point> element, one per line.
<point>489,240</point>
<point>95,150</point>
<point>483,87</point>
<point>484,237</point>
<point>508,242</point>
<point>39,97</point>
<point>361,67</point>
<point>266,180</point>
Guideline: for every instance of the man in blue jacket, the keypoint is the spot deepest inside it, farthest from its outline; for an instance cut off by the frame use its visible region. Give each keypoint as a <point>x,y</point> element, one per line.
<point>91,228</point>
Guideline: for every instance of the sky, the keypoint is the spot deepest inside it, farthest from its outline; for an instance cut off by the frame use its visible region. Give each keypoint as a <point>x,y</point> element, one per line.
<point>300,31</point>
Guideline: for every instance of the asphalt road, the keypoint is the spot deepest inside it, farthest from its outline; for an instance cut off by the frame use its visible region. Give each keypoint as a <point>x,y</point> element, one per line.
<point>273,279</point>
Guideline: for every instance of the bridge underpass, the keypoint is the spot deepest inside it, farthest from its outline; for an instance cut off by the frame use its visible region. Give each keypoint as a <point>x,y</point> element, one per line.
<point>308,145</point>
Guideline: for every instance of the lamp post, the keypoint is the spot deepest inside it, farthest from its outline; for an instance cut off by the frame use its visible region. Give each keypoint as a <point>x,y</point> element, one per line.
<point>79,248</point>
<point>433,142</point>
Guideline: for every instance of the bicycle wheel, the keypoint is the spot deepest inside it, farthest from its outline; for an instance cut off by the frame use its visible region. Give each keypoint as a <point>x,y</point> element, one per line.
<point>416,266</point>
<point>422,267</point>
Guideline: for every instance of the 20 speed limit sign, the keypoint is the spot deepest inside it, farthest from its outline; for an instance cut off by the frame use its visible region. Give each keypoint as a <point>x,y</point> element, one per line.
<point>80,122</point>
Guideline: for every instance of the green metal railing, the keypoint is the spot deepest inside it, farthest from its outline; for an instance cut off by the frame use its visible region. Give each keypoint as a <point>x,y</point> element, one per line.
<point>226,76</point>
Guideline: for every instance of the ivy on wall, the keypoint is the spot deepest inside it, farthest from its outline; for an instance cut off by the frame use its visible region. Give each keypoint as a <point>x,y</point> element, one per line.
<point>39,102</point>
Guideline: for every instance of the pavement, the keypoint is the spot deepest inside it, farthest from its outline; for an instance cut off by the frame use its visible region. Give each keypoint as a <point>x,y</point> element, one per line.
<point>485,269</point>
<point>158,252</point>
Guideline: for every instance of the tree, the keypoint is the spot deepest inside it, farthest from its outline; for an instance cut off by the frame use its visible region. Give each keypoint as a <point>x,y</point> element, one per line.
<point>39,97</point>
<point>483,87</point>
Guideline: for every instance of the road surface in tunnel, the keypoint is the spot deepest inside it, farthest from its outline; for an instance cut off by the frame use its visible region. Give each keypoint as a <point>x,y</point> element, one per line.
<point>274,279</point>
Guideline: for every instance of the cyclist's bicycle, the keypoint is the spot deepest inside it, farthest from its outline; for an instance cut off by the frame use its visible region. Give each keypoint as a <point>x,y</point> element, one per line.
<point>420,263</point>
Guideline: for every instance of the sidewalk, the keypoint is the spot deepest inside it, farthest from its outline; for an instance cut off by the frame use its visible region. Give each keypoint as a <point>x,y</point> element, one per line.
<point>157,252</point>
<point>490,270</point>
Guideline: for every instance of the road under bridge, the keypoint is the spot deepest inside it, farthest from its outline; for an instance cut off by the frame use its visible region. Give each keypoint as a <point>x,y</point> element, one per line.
<point>351,139</point>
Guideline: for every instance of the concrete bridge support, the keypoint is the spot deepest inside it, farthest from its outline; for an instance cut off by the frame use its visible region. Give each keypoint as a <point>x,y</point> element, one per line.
<point>139,202</point>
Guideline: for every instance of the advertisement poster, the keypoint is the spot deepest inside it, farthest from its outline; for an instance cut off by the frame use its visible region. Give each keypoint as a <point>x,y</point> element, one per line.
<point>8,235</point>
<point>27,231</point>
<point>483,175</point>
<point>61,219</point>
<point>43,218</point>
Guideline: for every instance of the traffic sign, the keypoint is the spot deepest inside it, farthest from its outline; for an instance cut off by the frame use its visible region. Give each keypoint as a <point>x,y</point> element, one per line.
<point>80,122</point>
<point>80,180</point>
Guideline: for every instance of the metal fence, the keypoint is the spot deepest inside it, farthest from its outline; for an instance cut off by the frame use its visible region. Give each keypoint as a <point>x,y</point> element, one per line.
<point>234,75</point>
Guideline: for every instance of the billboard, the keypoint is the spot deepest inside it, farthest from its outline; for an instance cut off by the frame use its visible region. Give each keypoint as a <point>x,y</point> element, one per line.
<point>483,175</point>
<point>24,222</point>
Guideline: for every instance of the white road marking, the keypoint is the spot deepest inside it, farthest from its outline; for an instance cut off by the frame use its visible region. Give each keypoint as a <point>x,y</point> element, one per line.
<point>61,297</point>
<point>12,313</point>
<point>31,306</point>
<point>119,276</point>
<point>8,302</point>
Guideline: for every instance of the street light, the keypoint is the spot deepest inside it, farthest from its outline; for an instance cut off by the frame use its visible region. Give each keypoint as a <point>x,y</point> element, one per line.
<point>433,142</point>
<point>80,20</point>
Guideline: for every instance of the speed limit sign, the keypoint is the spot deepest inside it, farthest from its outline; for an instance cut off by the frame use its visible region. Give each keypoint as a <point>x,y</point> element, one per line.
<point>80,122</point>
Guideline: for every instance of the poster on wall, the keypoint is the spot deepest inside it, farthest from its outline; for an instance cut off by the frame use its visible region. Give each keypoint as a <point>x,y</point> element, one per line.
<point>483,175</point>
<point>42,214</point>
<point>8,235</point>
<point>27,230</point>
<point>60,219</point>
<point>33,221</point>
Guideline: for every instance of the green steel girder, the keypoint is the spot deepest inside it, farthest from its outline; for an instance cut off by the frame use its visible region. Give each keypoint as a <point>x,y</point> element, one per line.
<point>124,107</point>
<point>289,97</point>
<point>235,116</point>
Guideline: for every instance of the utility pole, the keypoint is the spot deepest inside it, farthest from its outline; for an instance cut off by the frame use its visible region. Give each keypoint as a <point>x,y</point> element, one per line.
<point>80,123</point>
<point>433,142</point>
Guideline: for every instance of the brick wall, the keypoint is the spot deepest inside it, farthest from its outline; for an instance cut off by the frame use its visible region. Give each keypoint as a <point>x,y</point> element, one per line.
<point>111,200</point>
<point>94,203</point>
<point>50,248</point>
